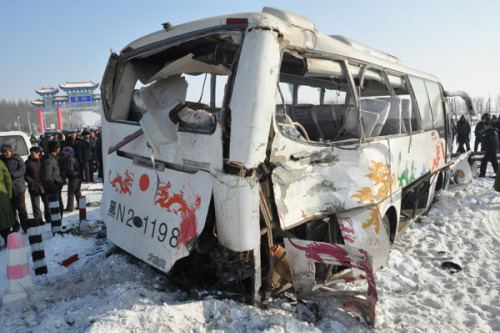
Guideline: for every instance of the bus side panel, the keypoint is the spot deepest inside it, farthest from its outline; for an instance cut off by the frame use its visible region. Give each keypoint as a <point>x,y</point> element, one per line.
<point>310,180</point>
<point>358,185</point>
<point>153,215</point>
<point>150,213</point>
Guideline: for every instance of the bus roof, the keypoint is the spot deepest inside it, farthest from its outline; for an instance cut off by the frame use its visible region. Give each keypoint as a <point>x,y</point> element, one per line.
<point>291,26</point>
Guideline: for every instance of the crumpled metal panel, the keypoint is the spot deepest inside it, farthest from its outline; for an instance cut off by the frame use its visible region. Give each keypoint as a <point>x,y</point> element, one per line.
<point>303,254</point>
<point>312,181</point>
<point>358,185</point>
<point>363,228</point>
<point>237,213</point>
<point>315,181</point>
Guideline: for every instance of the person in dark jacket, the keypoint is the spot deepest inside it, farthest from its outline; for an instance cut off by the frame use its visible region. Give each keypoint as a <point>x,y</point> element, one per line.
<point>50,173</point>
<point>17,168</point>
<point>44,144</point>
<point>33,140</point>
<point>73,140</point>
<point>87,151</point>
<point>98,151</point>
<point>495,123</point>
<point>35,189</point>
<point>6,216</point>
<point>489,142</point>
<point>70,170</point>
<point>479,130</point>
<point>463,134</point>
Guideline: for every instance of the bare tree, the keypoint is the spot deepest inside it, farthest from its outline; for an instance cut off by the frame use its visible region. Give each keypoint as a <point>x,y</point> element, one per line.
<point>479,104</point>
<point>456,105</point>
<point>496,104</point>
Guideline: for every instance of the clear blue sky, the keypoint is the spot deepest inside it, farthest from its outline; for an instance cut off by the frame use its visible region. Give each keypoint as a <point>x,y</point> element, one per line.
<point>45,43</point>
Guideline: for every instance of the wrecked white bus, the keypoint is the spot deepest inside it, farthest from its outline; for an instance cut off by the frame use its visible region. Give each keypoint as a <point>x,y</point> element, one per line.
<point>259,153</point>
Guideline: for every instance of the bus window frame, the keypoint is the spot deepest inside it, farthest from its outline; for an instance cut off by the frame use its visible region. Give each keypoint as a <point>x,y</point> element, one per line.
<point>113,74</point>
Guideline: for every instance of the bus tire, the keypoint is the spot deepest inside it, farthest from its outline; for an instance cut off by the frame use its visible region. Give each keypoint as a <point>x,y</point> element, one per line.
<point>386,224</point>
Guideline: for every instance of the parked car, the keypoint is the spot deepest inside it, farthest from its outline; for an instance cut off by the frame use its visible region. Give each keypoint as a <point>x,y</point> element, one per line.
<point>19,141</point>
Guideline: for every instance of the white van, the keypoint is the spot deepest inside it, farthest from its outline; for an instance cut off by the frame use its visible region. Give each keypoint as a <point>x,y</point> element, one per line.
<point>18,140</point>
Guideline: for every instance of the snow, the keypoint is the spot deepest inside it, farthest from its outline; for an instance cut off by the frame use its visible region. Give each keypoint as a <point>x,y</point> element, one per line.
<point>107,290</point>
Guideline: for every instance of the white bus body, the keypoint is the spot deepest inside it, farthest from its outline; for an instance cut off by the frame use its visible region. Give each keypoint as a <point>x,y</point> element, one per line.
<point>293,142</point>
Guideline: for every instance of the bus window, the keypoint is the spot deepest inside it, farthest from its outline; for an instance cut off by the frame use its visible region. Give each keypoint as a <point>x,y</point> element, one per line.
<point>436,102</point>
<point>195,71</point>
<point>312,99</point>
<point>422,98</point>
<point>386,95</point>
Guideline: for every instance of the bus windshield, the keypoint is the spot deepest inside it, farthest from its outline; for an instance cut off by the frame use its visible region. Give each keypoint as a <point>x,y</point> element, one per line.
<point>195,70</point>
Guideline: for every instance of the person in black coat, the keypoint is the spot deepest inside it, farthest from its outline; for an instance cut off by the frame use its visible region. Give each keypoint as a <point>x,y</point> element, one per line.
<point>489,141</point>
<point>35,189</point>
<point>50,173</point>
<point>74,141</point>
<point>70,170</point>
<point>17,168</point>
<point>98,151</point>
<point>44,144</point>
<point>87,147</point>
<point>479,130</point>
<point>71,141</point>
<point>495,123</point>
<point>463,134</point>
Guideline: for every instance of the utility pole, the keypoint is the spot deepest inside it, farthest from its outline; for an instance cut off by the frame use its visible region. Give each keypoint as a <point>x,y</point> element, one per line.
<point>29,121</point>
<point>18,123</point>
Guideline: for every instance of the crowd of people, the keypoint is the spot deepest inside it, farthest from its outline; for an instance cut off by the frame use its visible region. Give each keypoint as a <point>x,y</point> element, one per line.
<point>487,133</point>
<point>53,162</point>
<point>463,131</point>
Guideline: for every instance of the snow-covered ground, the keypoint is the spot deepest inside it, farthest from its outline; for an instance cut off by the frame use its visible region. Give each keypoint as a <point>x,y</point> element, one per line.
<point>107,290</point>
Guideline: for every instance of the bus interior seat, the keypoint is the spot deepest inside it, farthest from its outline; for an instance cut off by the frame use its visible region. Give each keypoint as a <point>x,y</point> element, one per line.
<point>323,123</point>
<point>330,118</point>
<point>314,118</point>
<point>368,118</point>
<point>393,123</point>
<point>285,122</point>
<point>303,115</point>
<point>373,126</point>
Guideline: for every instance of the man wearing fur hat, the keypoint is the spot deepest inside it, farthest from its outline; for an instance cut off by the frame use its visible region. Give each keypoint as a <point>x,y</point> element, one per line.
<point>16,167</point>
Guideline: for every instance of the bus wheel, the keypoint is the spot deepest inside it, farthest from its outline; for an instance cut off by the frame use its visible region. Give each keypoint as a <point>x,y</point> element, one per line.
<point>386,223</point>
